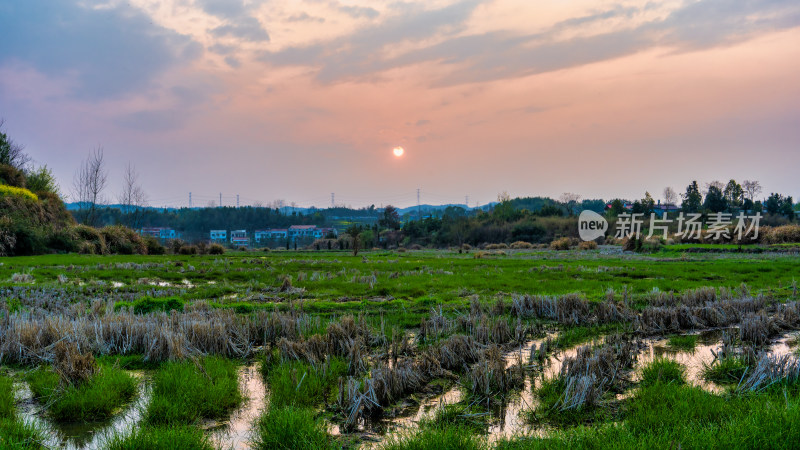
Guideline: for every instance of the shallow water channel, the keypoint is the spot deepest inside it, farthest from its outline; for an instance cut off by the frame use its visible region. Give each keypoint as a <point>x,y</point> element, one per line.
<point>83,435</point>
<point>509,420</point>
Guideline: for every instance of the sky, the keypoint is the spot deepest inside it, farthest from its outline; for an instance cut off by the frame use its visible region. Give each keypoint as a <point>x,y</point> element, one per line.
<point>295,100</point>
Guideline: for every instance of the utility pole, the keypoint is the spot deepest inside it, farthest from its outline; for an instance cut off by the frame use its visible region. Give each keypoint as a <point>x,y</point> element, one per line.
<point>332,202</point>
<point>237,200</point>
<point>419,209</point>
<point>190,200</point>
<point>220,199</point>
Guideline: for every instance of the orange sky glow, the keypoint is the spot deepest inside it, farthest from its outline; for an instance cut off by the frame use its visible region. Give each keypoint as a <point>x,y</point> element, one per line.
<point>297,99</point>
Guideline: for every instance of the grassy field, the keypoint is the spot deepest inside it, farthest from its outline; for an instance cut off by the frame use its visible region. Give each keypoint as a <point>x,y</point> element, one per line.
<point>353,344</point>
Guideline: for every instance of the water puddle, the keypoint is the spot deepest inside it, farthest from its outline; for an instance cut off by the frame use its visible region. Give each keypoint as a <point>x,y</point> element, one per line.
<point>694,360</point>
<point>236,432</point>
<point>82,435</point>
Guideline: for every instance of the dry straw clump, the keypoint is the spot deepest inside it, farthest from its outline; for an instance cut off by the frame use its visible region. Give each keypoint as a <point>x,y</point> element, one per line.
<point>771,370</point>
<point>593,371</point>
<point>72,366</point>
<point>569,309</point>
<point>561,244</point>
<point>519,245</point>
<point>489,379</point>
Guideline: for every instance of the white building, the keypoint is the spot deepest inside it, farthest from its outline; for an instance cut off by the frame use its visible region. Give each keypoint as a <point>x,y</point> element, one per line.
<point>270,233</point>
<point>219,235</point>
<point>239,238</point>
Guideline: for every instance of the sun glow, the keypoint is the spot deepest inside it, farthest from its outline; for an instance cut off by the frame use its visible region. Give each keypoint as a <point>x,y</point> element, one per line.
<point>398,151</point>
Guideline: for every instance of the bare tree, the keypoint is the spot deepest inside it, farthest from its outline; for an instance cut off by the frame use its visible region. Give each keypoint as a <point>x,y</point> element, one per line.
<point>570,200</point>
<point>670,197</point>
<point>751,188</point>
<point>88,185</point>
<point>717,184</point>
<point>132,198</point>
<point>11,153</point>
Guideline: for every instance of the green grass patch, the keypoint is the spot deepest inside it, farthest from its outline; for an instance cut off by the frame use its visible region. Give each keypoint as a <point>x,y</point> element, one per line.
<point>291,427</point>
<point>667,415</point>
<point>663,370</point>
<point>570,337</point>
<point>147,305</point>
<point>184,393</point>
<point>686,342</point>
<point>451,437</point>
<point>726,370</point>
<point>162,438</point>
<point>127,362</point>
<point>299,384</point>
<point>99,398</point>
<point>459,414</point>
<point>13,433</point>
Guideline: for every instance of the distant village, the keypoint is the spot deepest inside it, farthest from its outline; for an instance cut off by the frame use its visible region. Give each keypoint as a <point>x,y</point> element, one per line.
<point>241,238</point>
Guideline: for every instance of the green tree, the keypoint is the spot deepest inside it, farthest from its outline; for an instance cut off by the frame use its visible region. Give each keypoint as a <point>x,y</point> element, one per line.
<point>692,199</point>
<point>733,194</point>
<point>647,203</point>
<point>354,231</point>
<point>715,200</point>
<point>774,203</point>
<point>390,218</point>
<point>617,207</point>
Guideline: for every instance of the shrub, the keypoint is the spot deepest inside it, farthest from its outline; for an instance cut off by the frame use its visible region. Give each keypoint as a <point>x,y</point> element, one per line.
<point>123,240</point>
<point>153,246</point>
<point>188,250</point>
<point>521,245</point>
<point>500,246</point>
<point>18,192</point>
<point>587,245</point>
<point>42,180</point>
<point>11,176</point>
<point>651,244</point>
<point>785,234</point>
<point>216,249</point>
<point>560,244</point>
<point>93,241</point>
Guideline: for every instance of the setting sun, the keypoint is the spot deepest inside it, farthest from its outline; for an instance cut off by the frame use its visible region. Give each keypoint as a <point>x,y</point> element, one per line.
<point>398,151</point>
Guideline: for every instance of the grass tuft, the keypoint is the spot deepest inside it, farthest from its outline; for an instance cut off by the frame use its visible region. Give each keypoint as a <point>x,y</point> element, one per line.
<point>453,437</point>
<point>98,398</point>
<point>685,342</point>
<point>663,370</point>
<point>726,370</point>
<point>299,384</point>
<point>185,392</point>
<point>291,427</point>
<point>162,438</point>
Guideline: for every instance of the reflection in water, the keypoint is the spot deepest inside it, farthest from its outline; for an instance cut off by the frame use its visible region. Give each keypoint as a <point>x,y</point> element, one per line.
<point>82,435</point>
<point>236,432</point>
<point>510,418</point>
